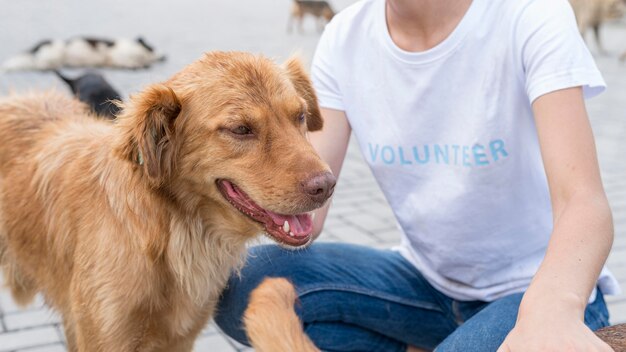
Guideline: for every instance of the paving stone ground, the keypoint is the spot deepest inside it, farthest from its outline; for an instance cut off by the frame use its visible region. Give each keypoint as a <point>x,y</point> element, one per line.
<point>185,29</point>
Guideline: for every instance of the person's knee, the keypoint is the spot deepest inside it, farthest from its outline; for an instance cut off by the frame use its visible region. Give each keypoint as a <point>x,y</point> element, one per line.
<point>302,267</point>
<point>261,262</point>
<point>486,330</point>
<point>476,340</point>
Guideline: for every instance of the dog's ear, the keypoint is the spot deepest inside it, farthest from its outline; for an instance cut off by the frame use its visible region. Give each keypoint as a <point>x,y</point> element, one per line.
<point>154,112</point>
<point>300,80</point>
<point>143,43</point>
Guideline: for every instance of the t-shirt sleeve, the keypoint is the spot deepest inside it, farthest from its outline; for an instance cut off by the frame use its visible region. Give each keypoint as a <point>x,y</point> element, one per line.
<point>553,52</point>
<point>323,71</point>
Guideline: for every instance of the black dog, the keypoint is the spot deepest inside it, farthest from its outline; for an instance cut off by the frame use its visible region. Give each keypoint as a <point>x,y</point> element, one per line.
<point>93,89</point>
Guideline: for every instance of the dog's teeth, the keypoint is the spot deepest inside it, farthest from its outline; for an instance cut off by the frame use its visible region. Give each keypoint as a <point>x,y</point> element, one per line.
<point>286,226</point>
<point>312,216</point>
<point>291,234</point>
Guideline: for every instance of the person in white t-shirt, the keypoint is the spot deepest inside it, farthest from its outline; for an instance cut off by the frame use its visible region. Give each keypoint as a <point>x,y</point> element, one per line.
<point>471,117</point>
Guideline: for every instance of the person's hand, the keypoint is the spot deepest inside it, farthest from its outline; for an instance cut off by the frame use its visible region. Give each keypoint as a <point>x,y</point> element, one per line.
<point>547,331</point>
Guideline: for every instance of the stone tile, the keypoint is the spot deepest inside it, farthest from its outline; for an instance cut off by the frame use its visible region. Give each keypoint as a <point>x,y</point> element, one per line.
<point>214,342</point>
<point>334,220</point>
<point>353,235</point>
<point>60,333</point>
<point>29,338</point>
<point>389,236</point>
<point>617,312</point>
<point>8,305</point>
<point>236,345</point>
<point>23,319</point>
<point>210,329</point>
<point>57,347</point>
<point>368,222</point>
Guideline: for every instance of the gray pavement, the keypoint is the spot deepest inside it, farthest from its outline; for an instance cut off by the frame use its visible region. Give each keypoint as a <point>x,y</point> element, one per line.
<point>187,28</point>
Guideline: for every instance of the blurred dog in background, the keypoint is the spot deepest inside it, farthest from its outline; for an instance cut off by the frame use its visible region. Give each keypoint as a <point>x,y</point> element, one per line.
<point>593,13</point>
<point>85,52</point>
<point>91,88</point>
<point>321,10</point>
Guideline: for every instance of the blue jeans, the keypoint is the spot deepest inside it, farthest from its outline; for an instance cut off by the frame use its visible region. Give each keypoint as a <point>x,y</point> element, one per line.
<point>355,298</point>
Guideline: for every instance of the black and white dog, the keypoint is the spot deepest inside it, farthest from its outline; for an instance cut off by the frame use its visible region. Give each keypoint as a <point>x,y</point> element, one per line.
<point>92,89</point>
<point>85,52</point>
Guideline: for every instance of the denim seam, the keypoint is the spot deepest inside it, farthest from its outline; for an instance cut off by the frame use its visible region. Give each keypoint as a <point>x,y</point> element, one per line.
<point>456,313</point>
<point>303,291</point>
<point>443,301</point>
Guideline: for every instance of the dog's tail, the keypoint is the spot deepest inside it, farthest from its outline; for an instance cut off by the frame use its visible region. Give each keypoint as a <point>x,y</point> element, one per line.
<point>271,322</point>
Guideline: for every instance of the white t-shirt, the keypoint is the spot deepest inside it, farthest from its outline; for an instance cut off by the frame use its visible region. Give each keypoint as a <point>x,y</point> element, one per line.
<point>450,135</point>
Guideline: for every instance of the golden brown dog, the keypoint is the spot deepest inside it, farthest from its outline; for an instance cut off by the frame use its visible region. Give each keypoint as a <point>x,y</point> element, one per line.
<point>130,230</point>
<point>273,326</point>
<point>319,9</point>
<point>593,13</point>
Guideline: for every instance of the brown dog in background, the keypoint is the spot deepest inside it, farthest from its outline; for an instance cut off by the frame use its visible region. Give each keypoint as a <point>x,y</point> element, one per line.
<point>591,14</point>
<point>131,229</point>
<point>273,326</point>
<point>320,9</point>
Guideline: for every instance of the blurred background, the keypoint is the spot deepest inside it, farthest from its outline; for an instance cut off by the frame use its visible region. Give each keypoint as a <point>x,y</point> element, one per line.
<point>182,31</point>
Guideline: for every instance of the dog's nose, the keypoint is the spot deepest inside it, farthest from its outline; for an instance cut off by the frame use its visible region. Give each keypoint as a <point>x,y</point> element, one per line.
<point>319,187</point>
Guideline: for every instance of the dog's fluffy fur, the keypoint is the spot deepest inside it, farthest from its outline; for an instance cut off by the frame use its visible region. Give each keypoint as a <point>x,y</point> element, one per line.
<point>319,9</point>
<point>92,89</point>
<point>591,14</point>
<point>123,227</point>
<point>270,320</point>
<point>85,52</point>
<point>273,326</point>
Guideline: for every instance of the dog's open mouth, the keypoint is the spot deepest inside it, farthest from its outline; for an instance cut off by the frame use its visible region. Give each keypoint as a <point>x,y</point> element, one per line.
<point>290,230</point>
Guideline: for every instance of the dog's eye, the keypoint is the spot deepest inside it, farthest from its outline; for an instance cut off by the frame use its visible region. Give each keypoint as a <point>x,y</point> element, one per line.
<point>242,130</point>
<point>301,118</point>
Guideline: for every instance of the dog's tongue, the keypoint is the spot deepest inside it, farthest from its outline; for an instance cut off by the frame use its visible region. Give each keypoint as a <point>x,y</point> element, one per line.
<point>236,194</point>
<point>300,224</point>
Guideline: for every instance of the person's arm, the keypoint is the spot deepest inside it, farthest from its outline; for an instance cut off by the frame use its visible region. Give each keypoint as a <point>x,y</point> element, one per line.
<point>551,315</point>
<point>331,143</point>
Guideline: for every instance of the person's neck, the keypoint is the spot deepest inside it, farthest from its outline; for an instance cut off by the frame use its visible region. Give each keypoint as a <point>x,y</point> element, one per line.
<point>419,25</point>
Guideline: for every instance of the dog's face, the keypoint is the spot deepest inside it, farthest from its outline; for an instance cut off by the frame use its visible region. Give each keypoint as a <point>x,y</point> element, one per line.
<point>232,128</point>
